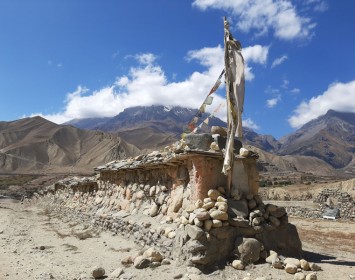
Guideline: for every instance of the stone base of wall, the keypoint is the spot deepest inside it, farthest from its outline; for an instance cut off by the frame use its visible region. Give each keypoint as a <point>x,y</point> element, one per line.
<point>201,232</point>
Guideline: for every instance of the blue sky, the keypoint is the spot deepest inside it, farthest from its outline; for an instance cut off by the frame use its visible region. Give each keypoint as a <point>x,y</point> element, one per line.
<point>75,59</point>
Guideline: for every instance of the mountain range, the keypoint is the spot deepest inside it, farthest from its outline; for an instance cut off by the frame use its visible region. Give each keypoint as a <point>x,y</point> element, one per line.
<point>38,145</point>
<point>325,145</point>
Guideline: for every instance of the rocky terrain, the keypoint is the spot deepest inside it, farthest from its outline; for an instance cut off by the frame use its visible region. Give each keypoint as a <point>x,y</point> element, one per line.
<point>35,145</point>
<point>39,242</point>
<point>135,221</point>
<point>330,137</point>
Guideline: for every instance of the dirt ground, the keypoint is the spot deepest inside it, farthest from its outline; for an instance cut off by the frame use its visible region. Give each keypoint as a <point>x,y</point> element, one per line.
<point>35,244</point>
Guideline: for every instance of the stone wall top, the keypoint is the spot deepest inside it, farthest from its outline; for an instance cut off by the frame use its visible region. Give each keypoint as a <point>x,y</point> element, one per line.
<point>159,159</point>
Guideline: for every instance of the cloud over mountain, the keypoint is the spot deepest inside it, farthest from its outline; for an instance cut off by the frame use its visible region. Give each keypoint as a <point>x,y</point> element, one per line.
<point>146,84</point>
<point>338,96</point>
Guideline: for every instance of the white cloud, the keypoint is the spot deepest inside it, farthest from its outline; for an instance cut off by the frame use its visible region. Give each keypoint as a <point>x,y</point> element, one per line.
<point>338,96</point>
<point>280,16</point>
<point>279,61</point>
<point>256,54</point>
<point>270,103</point>
<point>285,83</point>
<point>146,84</point>
<point>250,123</point>
<point>295,90</point>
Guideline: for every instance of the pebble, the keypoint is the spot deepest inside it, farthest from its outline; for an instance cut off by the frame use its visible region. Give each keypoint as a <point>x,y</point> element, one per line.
<point>299,276</point>
<point>305,265</point>
<point>116,273</point>
<point>178,276</point>
<point>293,261</point>
<point>97,272</point>
<point>291,268</point>
<point>237,264</point>
<point>315,267</point>
<point>311,276</point>
<point>141,262</point>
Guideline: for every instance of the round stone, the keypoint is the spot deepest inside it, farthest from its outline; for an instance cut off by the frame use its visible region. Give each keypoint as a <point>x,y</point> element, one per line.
<point>98,272</point>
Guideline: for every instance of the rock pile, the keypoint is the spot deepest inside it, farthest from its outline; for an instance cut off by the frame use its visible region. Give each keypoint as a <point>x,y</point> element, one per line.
<point>298,267</point>
<point>327,198</point>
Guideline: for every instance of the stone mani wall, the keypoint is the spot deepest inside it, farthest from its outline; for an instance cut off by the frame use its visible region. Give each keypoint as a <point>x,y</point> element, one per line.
<point>181,208</point>
<point>201,173</point>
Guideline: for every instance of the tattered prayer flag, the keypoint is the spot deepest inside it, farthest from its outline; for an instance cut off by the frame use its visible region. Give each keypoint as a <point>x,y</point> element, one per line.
<point>208,100</point>
<point>202,109</point>
<point>217,84</point>
<point>235,81</point>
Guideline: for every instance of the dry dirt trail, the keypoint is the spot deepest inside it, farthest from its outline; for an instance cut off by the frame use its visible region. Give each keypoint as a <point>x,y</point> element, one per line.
<point>35,244</point>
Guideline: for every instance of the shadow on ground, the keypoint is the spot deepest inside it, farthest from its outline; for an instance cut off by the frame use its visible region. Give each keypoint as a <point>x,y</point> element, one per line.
<point>322,258</point>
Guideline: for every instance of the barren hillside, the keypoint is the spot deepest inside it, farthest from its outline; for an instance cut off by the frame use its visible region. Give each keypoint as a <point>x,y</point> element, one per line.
<point>36,145</point>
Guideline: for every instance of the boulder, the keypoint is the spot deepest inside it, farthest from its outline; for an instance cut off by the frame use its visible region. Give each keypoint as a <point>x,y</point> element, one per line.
<point>219,215</point>
<point>238,208</point>
<point>293,261</point>
<point>194,231</point>
<point>154,210</point>
<point>213,194</point>
<point>305,265</point>
<point>249,250</point>
<point>314,267</point>
<point>299,276</point>
<point>177,196</point>
<point>244,152</point>
<point>285,240</point>
<point>277,264</point>
<point>219,130</point>
<point>291,268</point>
<point>272,258</point>
<point>202,215</point>
<point>279,212</point>
<point>275,221</point>
<point>153,254</point>
<point>207,225</point>
<point>217,223</point>
<point>141,262</point>
<point>199,141</point>
<point>311,276</point>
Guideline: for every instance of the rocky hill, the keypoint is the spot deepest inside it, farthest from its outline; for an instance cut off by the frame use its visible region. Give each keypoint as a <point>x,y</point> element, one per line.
<point>324,144</point>
<point>147,127</point>
<point>36,145</point>
<point>330,137</point>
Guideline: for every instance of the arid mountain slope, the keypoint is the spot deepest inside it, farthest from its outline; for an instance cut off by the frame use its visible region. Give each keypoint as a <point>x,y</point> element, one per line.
<point>275,163</point>
<point>35,144</point>
<point>330,137</point>
<point>321,145</point>
<point>147,127</point>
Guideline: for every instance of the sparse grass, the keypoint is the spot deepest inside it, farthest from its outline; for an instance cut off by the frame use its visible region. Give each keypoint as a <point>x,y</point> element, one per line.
<point>10,180</point>
<point>120,249</point>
